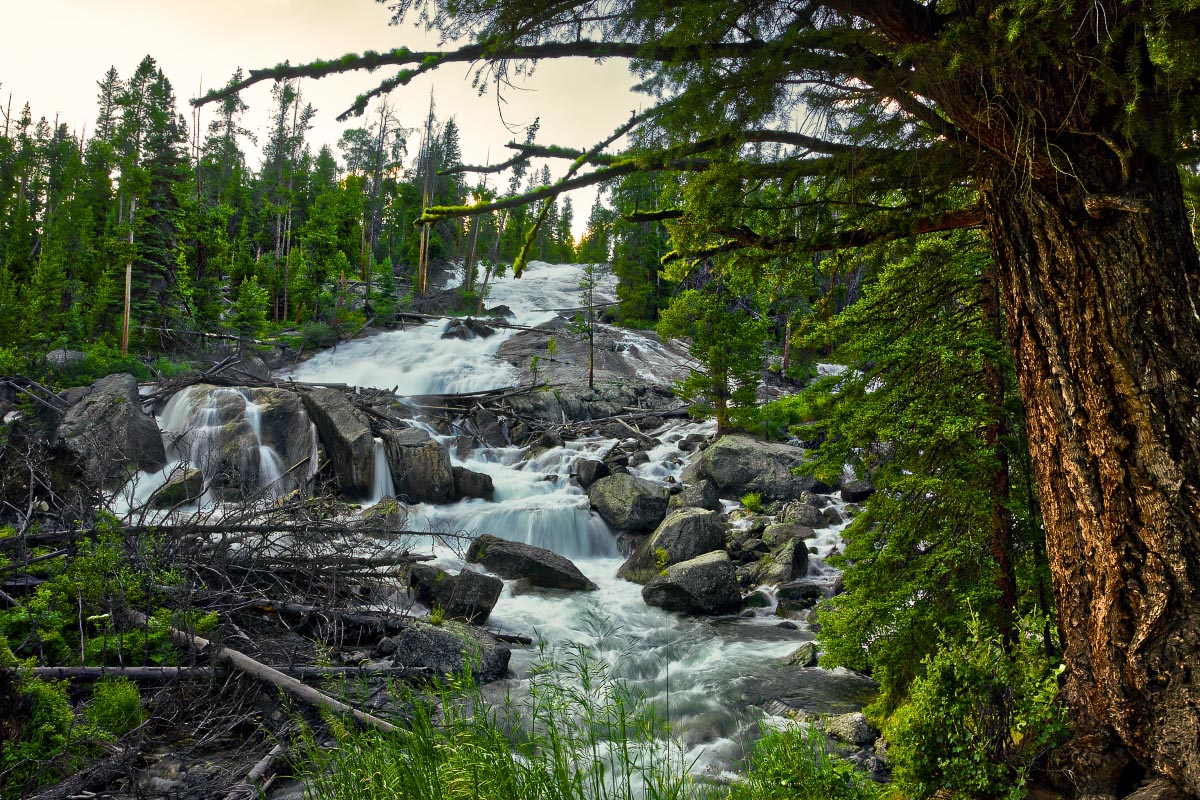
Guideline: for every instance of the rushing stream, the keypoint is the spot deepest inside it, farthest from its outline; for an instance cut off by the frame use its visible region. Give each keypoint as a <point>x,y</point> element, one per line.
<point>715,678</point>
<point>711,675</point>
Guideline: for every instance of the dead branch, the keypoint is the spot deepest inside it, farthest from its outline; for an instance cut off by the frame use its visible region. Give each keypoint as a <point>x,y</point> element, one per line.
<point>243,663</point>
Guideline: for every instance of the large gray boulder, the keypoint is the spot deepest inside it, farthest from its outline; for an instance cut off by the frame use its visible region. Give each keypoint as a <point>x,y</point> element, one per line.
<point>797,513</point>
<point>787,562</point>
<point>701,494</point>
<point>468,596</point>
<point>739,464</point>
<point>628,503</point>
<point>451,649</point>
<point>683,535</point>
<point>515,560</point>
<point>221,436</point>
<point>469,483</point>
<point>347,439</point>
<point>851,728</point>
<point>706,584</point>
<point>285,426</point>
<point>420,465</point>
<point>109,434</point>
<point>589,470</point>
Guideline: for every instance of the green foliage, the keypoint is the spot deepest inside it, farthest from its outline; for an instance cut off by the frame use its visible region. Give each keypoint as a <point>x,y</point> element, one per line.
<point>912,415</point>
<point>752,501</point>
<point>116,706</point>
<point>795,764</point>
<point>318,334</point>
<point>661,556</point>
<point>73,617</point>
<point>979,718</point>
<point>43,753</point>
<point>727,340</point>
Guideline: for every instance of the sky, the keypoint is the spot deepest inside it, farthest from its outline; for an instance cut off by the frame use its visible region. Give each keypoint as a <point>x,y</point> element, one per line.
<point>55,51</point>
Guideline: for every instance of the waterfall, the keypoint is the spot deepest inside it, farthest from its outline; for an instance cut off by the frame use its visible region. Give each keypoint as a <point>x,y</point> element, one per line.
<point>382,485</point>
<point>218,432</point>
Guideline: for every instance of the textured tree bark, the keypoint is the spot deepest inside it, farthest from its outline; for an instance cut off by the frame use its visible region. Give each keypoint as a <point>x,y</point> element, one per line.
<point>1105,331</point>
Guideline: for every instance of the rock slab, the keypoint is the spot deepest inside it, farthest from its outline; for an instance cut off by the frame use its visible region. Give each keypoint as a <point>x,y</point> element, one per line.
<point>706,584</point>
<point>109,434</point>
<point>421,468</point>
<point>519,561</point>
<point>683,535</point>
<point>346,436</point>
<point>628,503</point>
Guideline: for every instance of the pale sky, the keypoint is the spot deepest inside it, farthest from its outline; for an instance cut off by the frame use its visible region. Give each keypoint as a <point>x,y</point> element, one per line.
<point>54,52</point>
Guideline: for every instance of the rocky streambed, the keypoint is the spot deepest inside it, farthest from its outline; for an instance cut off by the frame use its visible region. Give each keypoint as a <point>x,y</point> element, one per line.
<point>452,523</point>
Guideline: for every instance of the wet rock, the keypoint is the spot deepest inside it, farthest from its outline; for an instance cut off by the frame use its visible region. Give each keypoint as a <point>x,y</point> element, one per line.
<point>706,584</point>
<point>468,483</point>
<point>451,649</point>
<point>799,594</point>
<point>832,517</point>
<point>803,656</point>
<point>285,426</point>
<point>628,503</point>
<point>701,494</point>
<point>788,561</point>
<point>857,491</point>
<point>851,728</point>
<point>184,486</point>
<point>739,464</point>
<point>588,471</point>
<point>682,536</point>
<point>420,466</point>
<point>468,596</point>
<point>488,428</point>
<point>346,436</point>
<point>802,514</point>
<point>467,329</point>
<point>501,311</point>
<point>515,560</point>
<point>388,513</point>
<point>109,434</point>
<point>776,535</point>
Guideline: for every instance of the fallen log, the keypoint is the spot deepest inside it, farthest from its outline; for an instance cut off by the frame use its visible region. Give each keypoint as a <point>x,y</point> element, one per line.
<point>244,663</point>
<point>166,674</point>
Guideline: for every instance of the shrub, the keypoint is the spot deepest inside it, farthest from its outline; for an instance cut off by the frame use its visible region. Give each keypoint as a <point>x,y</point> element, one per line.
<point>978,718</point>
<point>116,707</point>
<point>318,334</point>
<point>795,764</point>
<point>752,501</point>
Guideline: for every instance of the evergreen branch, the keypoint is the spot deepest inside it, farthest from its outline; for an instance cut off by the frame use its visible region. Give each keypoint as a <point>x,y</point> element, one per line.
<point>492,50</point>
<point>741,238</point>
<point>654,216</point>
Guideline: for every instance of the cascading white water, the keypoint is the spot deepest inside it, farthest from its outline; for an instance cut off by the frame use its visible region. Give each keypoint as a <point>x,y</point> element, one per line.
<point>382,485</point>
<point>218,431</point>
<point>706,674</point>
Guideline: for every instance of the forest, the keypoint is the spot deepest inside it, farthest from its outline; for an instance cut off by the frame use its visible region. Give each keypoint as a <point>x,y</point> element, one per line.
<point>983,212</point>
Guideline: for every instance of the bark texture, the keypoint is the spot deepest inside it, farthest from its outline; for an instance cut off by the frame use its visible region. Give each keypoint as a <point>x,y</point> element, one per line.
<point>1105,330</point>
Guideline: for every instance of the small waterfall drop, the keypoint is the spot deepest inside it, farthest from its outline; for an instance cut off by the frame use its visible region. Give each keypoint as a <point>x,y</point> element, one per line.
<point>382,485</point>
<point>219,433</point>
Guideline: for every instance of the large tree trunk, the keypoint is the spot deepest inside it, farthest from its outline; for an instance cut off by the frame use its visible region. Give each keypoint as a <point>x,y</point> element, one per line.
<point>1105,331</point>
